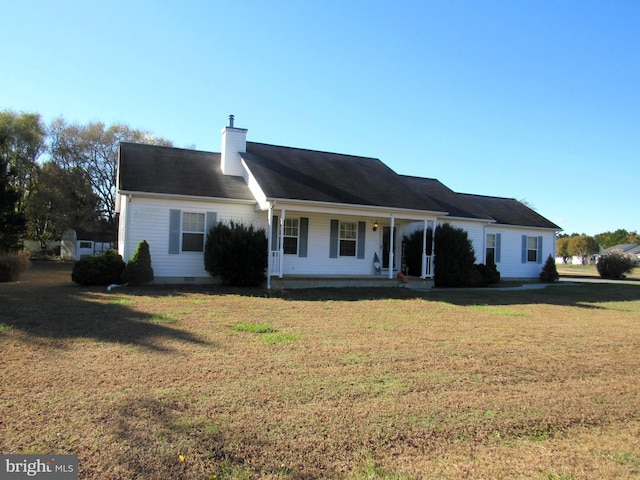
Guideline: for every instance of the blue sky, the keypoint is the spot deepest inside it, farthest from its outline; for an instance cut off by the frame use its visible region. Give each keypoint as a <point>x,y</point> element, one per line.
<point>535,100</point>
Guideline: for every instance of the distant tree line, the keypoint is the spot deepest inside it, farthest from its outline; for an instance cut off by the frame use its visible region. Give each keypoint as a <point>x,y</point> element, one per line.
<point>583,246</point>
<point>58,176</point>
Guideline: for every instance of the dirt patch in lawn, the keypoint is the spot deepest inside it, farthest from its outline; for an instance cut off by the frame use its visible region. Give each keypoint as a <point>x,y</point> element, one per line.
<point>201,382</point>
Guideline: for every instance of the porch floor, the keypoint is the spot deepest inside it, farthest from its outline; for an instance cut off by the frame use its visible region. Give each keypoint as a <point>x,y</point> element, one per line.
<point>344,281</point>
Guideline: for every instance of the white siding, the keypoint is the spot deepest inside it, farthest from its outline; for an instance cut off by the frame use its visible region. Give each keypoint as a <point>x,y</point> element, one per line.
<point>510,264</point>
<point>148,219</point>
<point>317,260</point>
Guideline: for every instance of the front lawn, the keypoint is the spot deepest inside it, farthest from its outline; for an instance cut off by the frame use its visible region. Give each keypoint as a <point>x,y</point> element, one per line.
<point>201,382</point>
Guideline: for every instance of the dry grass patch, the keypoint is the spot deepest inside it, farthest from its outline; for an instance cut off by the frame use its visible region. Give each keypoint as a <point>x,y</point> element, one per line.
<point>354,384</point>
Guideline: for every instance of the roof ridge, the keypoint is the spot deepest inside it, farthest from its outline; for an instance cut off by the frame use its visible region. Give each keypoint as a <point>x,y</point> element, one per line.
<point>142,144</point>
<point>487,196</point>
<point>315,151</point>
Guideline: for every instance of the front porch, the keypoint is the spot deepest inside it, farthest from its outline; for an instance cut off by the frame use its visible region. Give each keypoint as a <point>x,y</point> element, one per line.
<point>348,281</point>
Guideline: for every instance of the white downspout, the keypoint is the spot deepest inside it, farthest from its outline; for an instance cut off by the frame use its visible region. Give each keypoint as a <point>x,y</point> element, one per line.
<point>484,243</point>
<point>391,247</point>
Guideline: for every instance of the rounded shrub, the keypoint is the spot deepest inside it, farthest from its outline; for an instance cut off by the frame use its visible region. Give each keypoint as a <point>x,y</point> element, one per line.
<point>454,258</point>
<point>237,253</point>
<point>12,266</point>
<point>105,269</point>
<point>138,270</point>
<point>615,264</point>
<point>488,274</point>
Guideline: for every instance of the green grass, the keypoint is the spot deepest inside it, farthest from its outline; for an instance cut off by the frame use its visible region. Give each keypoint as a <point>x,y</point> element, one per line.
<point>163,318</point>
<point>254,327</point>
<point>507,312</point>
<point>278,337</point>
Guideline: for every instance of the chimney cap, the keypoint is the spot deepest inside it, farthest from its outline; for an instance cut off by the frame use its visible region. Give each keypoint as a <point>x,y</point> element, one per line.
<point>231,118</point>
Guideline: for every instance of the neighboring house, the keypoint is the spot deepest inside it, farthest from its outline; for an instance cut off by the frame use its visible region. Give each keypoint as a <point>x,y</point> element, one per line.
<point>630,248</point>
<point>76,244</point>
<point>326,214</point>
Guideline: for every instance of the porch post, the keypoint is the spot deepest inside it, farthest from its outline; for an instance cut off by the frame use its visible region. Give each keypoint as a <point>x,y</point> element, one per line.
<point>281,256</point>
<point>423,272</point>
<point>269,246</point>
<point>391,247</point>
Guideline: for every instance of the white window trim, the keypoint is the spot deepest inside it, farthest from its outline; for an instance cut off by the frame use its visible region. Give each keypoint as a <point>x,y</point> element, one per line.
<point>183,230</point>
<point>286,235</point>
<point>354,240</point>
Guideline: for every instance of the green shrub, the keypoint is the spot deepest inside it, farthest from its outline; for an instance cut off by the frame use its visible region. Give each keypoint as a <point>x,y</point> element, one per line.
<point>549,273</point>
<point>454,258</point>
<point>105,269</point>
<point>236,252</point>
<point>138,270</point>
<point>413,248</point>
<point>489,274</point>
<point>616,264</point>
<point>12,266</point>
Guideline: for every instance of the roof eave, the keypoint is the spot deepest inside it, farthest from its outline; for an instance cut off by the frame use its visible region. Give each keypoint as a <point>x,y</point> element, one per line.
<point>332,206</point>
<point>185,197</point>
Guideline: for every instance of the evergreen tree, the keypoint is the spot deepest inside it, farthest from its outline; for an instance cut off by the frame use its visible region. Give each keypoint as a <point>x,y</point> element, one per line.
<point>236,252</point>
<point>549,273</point>
<point>454,258</point>
<point>138,270</point>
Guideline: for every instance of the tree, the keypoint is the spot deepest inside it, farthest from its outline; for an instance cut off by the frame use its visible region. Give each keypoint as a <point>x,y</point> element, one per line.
<point>562,248</point>
<point>94,149</point>
<point>138,270</point>
<point>61,199</point>
<point>12,222</point>
<point>619,237</point>
<point>549,273</point>
<point>21,144</point>
<point>582,246</point>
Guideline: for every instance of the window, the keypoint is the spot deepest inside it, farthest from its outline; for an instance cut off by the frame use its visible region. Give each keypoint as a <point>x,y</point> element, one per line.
<point>532,249</point>
<point>348,239</point>
<point>491,248</point>
<point>192,232</point>
<point>86,244</point>
<point>291,234</point>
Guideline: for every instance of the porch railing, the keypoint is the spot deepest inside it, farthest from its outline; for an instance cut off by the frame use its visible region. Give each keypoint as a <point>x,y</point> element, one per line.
<point>274,263</point>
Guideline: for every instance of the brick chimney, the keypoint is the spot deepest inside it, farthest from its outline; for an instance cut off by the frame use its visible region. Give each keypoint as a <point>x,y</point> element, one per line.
<point>234,141</point>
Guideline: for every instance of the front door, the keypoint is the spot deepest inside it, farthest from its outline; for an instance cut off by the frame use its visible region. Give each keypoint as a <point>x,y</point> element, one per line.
<point>386,243</point>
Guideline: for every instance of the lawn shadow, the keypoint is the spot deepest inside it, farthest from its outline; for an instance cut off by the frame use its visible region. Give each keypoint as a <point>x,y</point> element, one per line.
<point>47,304</point>
<point>583,295</point>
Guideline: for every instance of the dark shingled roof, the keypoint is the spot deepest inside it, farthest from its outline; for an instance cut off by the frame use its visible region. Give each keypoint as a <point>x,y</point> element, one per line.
<point>155,169</point>
<point>299,174</point>
<point>508,211</point>
<point>505,211</point>
<point>451,201</point>
<point>308,175</point>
